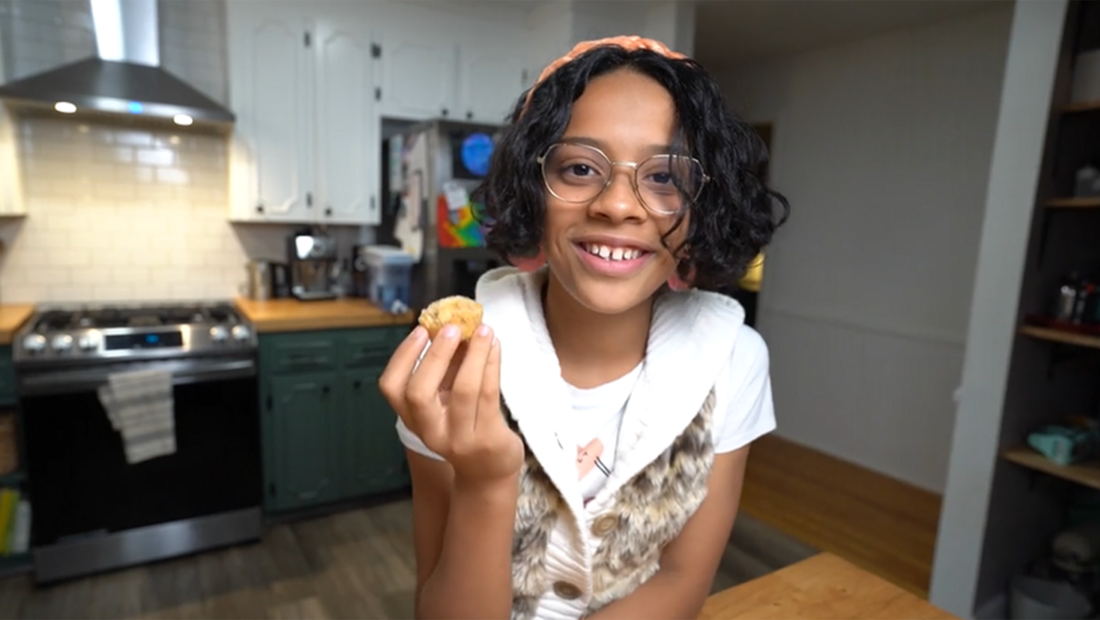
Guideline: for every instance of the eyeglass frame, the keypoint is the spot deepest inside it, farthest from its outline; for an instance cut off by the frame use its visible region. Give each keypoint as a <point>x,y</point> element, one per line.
<point>541,160</point>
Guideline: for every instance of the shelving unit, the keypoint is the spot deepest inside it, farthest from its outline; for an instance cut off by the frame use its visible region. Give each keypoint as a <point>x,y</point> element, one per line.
<point>1082,106</point>
<point>1054,372</point>
<point>1073,203</point>
<point>1085,474</point>
<point>1061,336</point>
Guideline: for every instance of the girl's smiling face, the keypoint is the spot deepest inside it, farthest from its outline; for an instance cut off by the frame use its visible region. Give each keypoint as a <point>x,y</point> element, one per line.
<point>608,252</point>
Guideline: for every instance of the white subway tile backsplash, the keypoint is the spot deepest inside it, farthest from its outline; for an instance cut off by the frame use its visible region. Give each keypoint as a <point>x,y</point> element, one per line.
<point>117,213</point>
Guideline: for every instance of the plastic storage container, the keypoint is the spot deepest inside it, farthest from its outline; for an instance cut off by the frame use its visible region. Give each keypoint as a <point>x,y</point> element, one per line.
<point>390,276</point>
<point>1039,599</point>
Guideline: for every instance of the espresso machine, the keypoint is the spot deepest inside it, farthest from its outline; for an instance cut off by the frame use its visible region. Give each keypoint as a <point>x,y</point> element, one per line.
<point>312,259</point>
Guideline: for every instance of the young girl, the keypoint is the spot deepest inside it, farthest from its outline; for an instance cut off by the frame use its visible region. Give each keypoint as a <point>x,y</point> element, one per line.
<point>582,455</point>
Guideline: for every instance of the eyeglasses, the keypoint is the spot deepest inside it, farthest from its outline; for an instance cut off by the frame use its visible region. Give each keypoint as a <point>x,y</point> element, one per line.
<point>665,184</point>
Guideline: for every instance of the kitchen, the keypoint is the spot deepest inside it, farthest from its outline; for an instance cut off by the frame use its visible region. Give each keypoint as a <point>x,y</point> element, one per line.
<point>134,199</point>
<point>140,207</point>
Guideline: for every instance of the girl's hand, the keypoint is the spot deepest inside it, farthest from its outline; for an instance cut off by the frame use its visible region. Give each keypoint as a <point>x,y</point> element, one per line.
<point>452,402</point>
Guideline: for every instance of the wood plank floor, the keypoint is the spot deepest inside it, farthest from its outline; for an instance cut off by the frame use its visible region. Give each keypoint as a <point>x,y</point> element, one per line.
<point>357,563</point>
<point>878,523</point>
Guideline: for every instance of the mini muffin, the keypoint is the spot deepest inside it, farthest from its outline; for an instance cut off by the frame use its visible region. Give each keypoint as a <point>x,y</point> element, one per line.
<point>456,310</point>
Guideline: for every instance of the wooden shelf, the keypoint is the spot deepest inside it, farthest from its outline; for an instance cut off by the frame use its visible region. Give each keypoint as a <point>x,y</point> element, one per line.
<point>1074,203</point>
<point>1061,336</point>
<point>1086,474</point>
<point>1081,106</point>
<point>13,479</point>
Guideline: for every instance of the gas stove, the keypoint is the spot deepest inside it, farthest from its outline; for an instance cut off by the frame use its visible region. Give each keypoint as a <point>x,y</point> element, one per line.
<point>68,334</point>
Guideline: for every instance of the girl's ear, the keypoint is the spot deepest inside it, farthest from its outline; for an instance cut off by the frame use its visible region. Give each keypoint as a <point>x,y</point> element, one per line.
<point>528,264</point>
<point>676,283</point>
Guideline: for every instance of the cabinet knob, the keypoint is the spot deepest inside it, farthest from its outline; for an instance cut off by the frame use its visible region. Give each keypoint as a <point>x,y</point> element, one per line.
<point>357,384</point>
<point>328,211</point>
<point>469,115</point>
<point>444,111</point>
<point>260,208</point>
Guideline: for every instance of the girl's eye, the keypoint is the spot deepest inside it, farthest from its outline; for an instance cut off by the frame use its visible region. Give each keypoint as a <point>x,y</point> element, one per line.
<point>579,170</point>
<point>661,178</point>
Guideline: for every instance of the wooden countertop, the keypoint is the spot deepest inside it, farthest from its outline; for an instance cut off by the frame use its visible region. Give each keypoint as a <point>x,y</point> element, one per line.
<point>288,315</point>
<point>823,587</point>
<point>12,317</point>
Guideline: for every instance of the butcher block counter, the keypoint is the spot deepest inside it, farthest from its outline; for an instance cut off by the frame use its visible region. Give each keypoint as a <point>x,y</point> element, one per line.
<point>291,315</point>
<point>12,317</point>
<point>823,587</point>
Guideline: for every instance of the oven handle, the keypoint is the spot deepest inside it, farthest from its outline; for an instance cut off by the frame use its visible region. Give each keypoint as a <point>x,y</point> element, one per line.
<point>184,372</point>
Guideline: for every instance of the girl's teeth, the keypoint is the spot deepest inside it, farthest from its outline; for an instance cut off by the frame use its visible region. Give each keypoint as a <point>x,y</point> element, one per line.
<point>608,253</point>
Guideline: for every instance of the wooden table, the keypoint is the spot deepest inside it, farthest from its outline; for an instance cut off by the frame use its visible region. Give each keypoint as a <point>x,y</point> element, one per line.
<point>823,587</point>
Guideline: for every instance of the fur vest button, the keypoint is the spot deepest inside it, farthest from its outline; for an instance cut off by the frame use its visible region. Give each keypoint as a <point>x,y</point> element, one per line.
<point>567,591</point>
<point>604,525</point>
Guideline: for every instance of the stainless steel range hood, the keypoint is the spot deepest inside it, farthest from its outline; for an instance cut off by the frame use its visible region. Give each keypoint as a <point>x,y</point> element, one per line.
<point>124,79</point>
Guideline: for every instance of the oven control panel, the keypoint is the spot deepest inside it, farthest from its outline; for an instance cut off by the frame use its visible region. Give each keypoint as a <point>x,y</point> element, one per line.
<point>89,334</point>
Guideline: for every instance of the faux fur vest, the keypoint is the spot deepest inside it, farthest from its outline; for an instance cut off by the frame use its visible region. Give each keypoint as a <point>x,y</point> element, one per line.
<point>647,512</point>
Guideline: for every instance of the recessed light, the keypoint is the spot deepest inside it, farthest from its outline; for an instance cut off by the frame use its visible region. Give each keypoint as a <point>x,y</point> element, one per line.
<point>64,107</point>
<point>183,119</point>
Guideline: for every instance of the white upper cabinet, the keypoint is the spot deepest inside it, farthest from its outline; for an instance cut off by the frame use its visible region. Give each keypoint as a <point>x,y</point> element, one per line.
<point>446,64</point>
<point>347,145</point>
<point>270,94</point>
<point>418,58</point>
<point>304,147</point>
<point>492,81</point>
<point>311,80</point>
<point>11,194</point>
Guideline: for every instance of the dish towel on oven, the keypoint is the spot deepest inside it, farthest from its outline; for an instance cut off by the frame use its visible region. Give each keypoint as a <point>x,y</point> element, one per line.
<point>140,406</point>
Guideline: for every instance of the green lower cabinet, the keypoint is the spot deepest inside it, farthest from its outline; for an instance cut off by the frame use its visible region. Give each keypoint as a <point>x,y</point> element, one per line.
<point>328,432</point>
<point>374,458</point>
<point>305,416</point>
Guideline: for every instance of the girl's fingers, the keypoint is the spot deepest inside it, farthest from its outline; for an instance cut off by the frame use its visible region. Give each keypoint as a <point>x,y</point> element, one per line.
<point>489,395</point>
<point>395,377</point>
<point>462,411</point>
<point>423,386</point>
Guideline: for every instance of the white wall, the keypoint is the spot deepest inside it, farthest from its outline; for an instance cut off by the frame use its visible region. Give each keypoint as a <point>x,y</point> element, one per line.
<point>1013,180</point>
<point>882,146</point>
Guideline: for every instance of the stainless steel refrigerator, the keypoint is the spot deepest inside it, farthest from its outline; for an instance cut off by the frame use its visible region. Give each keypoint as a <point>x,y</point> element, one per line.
<point>430,171</point>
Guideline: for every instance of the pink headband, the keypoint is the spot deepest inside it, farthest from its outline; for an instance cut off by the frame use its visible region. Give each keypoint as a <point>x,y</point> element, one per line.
<point>629,43</point>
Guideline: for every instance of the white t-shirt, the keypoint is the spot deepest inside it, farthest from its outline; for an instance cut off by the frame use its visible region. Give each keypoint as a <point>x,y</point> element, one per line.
<point>590,433</point>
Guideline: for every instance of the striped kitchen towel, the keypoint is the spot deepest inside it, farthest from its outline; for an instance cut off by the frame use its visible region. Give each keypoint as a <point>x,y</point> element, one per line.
<point>140,406</point>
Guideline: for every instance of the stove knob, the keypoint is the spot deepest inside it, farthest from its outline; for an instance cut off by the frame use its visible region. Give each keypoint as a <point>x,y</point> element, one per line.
<point>219,333</point>
<point>62,342</point>
<point>241,332</point>
<point>34,343</point>
<point>88,343</point>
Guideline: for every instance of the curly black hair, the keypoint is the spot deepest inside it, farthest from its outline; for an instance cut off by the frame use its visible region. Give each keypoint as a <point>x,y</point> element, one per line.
<point>731,221</point>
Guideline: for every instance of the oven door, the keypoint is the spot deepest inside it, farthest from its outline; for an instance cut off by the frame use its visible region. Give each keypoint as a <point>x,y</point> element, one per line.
<point>83,486</point>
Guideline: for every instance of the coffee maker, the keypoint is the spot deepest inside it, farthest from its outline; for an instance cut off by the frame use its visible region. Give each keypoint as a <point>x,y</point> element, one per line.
<point>311,259</point>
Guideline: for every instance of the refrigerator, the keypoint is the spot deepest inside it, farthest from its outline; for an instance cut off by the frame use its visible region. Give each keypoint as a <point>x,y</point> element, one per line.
<point>429,173</point>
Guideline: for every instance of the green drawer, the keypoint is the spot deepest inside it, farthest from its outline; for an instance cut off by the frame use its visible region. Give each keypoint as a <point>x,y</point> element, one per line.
<point>7,377</point>
<point>298,352</point>
<point>364,348</point>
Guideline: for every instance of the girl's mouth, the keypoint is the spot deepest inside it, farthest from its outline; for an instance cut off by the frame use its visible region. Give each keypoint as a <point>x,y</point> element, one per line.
<point>611,253</point>
<point>611,260</point>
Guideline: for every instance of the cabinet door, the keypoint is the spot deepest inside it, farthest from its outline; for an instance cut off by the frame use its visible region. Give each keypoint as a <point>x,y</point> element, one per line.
<point>374,458</point>
<point>492,81</point>
<point>11,195</point>
<point>304,418</point>
<point>418,58</point>
<point>347,145</point>
<point>270,90</point>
